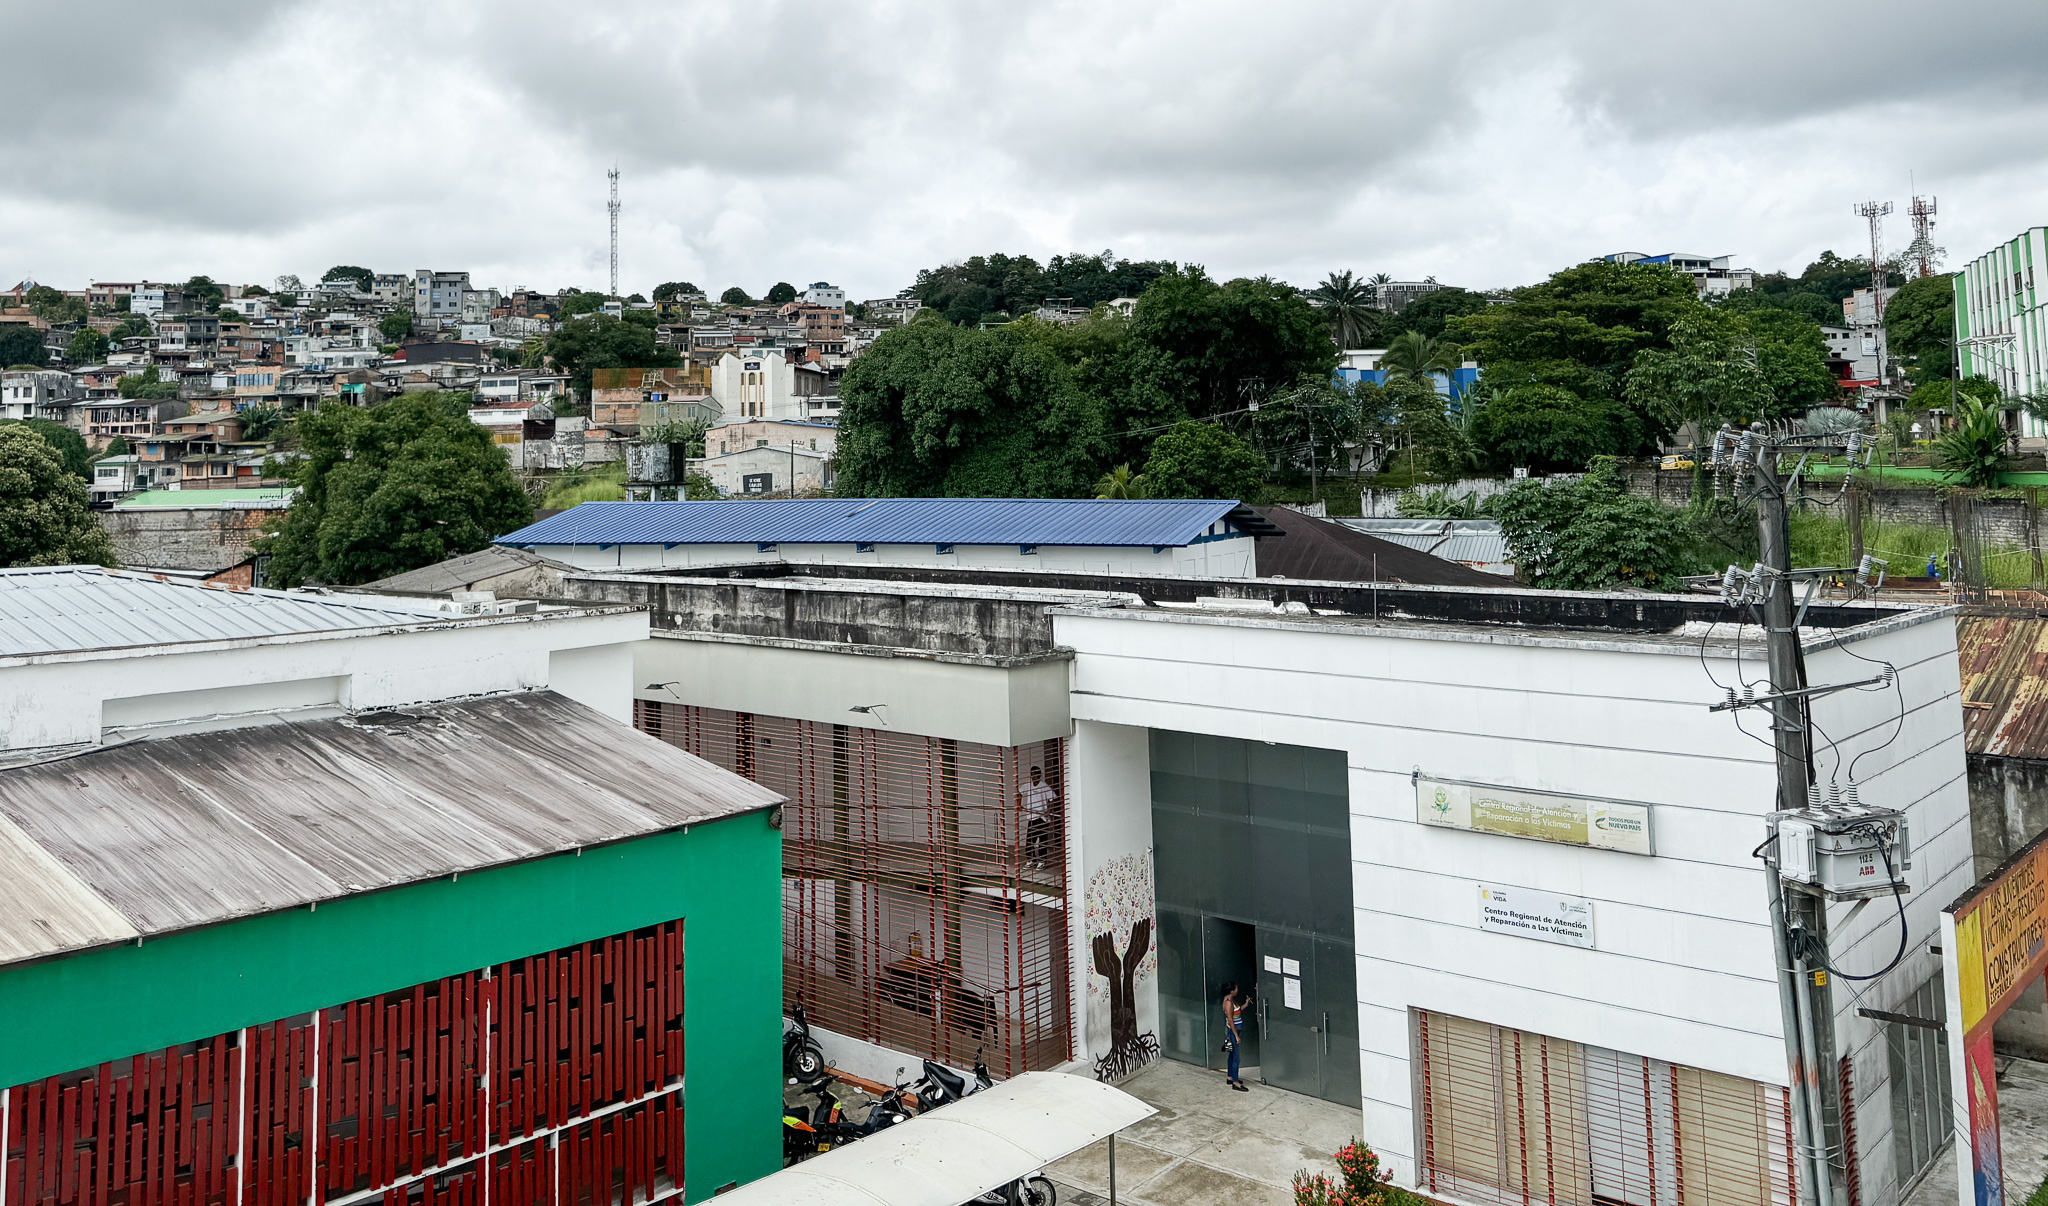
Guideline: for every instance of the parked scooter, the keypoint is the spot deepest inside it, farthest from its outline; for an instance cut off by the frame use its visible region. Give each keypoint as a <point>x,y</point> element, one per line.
<point>1033,1190</point>
<point>802,1058</point>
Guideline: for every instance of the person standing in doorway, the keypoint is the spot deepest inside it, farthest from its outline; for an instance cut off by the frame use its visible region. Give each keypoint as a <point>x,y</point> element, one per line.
<point>1036,802</point>
<point>1233,1033</point>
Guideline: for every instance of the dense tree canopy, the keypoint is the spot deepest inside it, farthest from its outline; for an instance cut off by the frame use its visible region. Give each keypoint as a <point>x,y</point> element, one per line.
<point>395,325</point>
<point>53,305</point>
<point>936,409</point>
<point>1204,348</point>
<point>1430,313</point>
<point>1201,460</point>
<point>578,301</point>
<point>86,347</point>
<point>364,279</point>
<point>1919,323</point>
<point>1832,278</point>
<point>149,384</point>
<point>1588,534</point>
<point>597,341</point>
<point>781,293</point>
<point>68,445</point>
<point>203,295</point>
<point>21,343</point>
<point>1000,287</point>
<point>43,514</point>
<point>669,289</point>
<point>391,487</point>
<point>736,296</point>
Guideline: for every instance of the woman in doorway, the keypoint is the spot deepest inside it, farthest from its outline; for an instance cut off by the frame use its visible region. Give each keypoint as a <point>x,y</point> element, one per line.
<point>1233,1032</point>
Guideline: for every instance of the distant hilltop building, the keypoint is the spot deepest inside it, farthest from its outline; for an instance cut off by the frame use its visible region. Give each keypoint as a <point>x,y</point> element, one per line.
<point>1712,273</point>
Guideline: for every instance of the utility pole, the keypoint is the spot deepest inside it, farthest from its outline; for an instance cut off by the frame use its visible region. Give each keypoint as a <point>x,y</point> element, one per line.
<point>1798,910</point>
<point>613,208</point>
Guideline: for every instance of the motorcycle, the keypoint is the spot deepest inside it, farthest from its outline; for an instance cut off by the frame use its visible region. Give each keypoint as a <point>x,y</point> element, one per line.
<point>826,1124</point>
<point>1033,1190</point>
<point>802,1058</point>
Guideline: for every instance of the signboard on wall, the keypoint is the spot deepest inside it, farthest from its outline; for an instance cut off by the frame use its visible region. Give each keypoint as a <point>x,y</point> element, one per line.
<point>1544,816</point>
<point>1998,933</point>
<point>1544,916</point>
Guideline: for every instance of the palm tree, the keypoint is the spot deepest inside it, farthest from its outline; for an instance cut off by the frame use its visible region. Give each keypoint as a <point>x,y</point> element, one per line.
<point>1344,302</point>
<point>1974,449</point>
<point>1413,356</point>
<point>1379,282</point>
<point>1120,482</point>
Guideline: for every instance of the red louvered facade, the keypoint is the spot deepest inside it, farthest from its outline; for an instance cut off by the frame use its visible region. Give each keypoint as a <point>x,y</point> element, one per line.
<point>555,1078</point>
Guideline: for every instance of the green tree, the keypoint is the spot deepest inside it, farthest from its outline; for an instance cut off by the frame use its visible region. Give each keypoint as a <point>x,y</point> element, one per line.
<point>576,302</point>
<point>261,422</point>
<point>203,294</point>
<point>389,488</point>
<point>1550,429</point>
<point>129,328</point>
<point>1587,534</point>
<point>43,515</point>
<point>148,385</point>
<point>1430,313</point>
<point>670,289</point>
<point>1708,375</point>
<point>597,341</point>
<point>53,305</point>
<point>66,443</point>
<point>935,409</point>
<point>1201,460</point>
<point>1580,331</point>
<point>781,293</point>
<point>22,344</point>
<point>1120,482</point>
<point>1413,356</point>
<point>395,325</point>
<point>86,347</point>
<point>1201,348</point>
<point>1346,304</point>
<point>364,279</point>
<point>1973,449</point>
<point>736,296</point>
<point>1919,326</point>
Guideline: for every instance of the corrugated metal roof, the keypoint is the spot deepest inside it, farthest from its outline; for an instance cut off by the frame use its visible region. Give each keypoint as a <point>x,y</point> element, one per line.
<point>456,573</point>
<point>205,827</point>
<point>66,608</point>
<point>2004,663</point>
<point>1051,521</point>
<point>1469,541</point>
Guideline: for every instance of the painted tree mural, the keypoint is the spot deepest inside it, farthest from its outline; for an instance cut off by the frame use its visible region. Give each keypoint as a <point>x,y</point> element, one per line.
<point>1119,911</point>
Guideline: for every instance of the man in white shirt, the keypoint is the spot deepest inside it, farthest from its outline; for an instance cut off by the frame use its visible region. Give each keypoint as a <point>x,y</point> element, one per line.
<point>1040,819</point>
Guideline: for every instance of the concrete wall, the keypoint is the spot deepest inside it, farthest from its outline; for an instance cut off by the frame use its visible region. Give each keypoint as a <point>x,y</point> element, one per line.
<point>64,699</point>
<point>192,538</point>
<point>1109,811</point>
<point>1682,969</point>
<point>1004,705</point>
<point>2008,809</point>
<point>2002,521</point>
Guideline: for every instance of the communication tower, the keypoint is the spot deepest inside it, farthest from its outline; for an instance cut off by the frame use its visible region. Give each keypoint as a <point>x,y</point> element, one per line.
<point>1873,212</point>
<point>1922,250</point>
<point>613,207</point>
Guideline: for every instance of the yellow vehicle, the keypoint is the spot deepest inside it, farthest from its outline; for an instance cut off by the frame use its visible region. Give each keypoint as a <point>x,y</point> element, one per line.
<point>1676,460</point>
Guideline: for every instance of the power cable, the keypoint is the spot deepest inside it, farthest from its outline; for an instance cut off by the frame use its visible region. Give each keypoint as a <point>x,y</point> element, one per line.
<point>1817,951</point>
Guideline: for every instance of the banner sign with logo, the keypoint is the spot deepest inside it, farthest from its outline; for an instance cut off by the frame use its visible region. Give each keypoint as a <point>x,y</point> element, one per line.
<point>1544,816</point>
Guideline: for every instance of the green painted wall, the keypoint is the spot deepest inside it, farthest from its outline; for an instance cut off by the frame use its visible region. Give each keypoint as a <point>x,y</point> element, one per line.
<point>724,879</point>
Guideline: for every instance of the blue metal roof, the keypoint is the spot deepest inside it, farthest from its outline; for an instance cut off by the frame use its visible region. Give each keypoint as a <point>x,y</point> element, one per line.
<point>1051,521</point>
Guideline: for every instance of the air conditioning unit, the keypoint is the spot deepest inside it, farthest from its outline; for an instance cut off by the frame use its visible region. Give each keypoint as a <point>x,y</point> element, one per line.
<point>1849,851</point>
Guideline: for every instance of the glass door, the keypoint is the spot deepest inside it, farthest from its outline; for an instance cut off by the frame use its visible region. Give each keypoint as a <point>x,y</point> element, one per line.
<point>1289,1013</point>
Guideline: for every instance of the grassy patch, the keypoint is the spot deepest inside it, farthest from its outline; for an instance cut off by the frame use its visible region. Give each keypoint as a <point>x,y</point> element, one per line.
<point>604,483</point>
<point>1819,538</point>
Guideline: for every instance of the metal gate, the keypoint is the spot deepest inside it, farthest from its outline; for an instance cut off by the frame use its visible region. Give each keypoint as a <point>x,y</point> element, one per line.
<point>924,889</point>
<point>1509,1116</point>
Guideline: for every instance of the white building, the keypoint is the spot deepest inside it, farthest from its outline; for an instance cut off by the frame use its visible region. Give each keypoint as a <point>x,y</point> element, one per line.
<point>1328,790</point>
<point>255,309</point>
<point>2002,320</point>
<point>757,385</point>
<point>477,305</point>
<point>767,456</point>
<point>118,655</point>
<point>114,476</point>
<point>438,295</point>
<point>823,294</point>
<point>1715,275</point>
<point>892,309</point>
<point>36,393</point>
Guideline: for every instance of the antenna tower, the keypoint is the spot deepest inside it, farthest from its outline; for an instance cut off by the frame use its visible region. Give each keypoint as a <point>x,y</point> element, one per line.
<point>1922,250</point>
<point>1873,212</point>
<point>613,208</point>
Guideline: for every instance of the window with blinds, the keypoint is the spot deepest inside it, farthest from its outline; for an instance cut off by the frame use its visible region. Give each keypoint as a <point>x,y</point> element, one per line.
<point>1510,1116</point>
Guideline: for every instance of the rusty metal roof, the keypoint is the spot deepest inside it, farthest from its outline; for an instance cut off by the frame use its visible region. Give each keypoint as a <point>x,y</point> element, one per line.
<point>2004,660</point>
<point>204,827</point>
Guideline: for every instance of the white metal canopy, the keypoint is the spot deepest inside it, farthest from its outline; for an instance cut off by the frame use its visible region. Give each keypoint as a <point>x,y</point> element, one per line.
<point>957,1152</point>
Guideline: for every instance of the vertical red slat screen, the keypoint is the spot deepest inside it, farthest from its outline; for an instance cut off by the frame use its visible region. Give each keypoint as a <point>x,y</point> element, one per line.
<point>924,881</point>
<point>414,1097</point>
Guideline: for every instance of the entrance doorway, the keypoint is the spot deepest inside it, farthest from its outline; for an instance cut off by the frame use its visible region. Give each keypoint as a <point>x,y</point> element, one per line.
<point>1252,849</point>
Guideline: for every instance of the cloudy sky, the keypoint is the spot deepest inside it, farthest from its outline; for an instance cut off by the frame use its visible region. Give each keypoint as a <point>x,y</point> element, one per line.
<point>1485,143</point>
